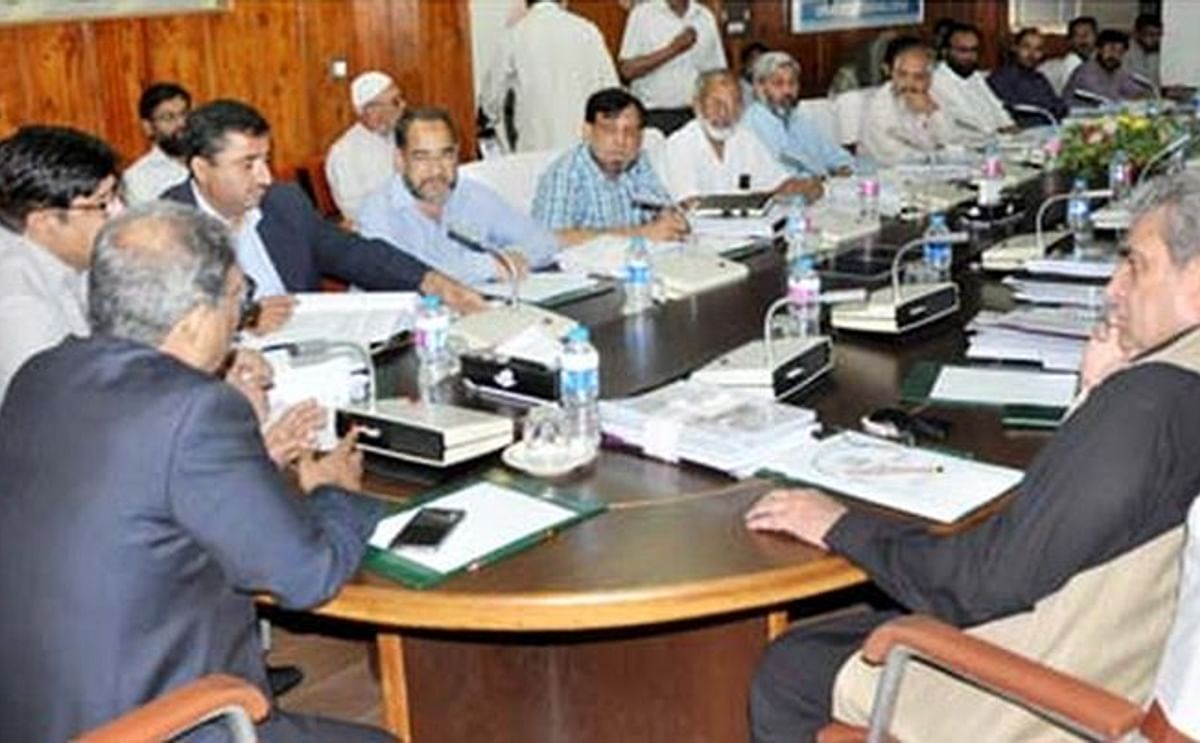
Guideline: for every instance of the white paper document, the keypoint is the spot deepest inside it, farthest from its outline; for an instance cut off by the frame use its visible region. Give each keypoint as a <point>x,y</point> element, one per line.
<point>1056,292</point>
<point>359,317</point>
<point>1084,269</point>
<point>1052,352</point>
<point>540,287</point>
<point>1004,387</point>
<point>924,483</point>
<point>496,517</point>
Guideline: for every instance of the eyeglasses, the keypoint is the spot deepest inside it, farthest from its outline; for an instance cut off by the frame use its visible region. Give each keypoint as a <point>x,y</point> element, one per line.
<point>110,205</point>
<point>248,307</point>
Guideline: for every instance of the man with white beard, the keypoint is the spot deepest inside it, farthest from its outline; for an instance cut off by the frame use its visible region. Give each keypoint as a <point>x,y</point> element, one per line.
<point>717,153</point>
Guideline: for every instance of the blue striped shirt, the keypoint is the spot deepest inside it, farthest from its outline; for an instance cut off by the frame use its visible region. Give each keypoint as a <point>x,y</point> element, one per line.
<point>574,193</point>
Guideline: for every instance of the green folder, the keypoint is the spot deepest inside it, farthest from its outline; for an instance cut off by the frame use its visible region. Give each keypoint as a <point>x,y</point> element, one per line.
<point>918,385</point>
<point>415,575</point>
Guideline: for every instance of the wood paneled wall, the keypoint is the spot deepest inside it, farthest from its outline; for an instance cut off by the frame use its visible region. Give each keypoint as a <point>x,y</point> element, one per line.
<point>820,54</point>
<point>273,54</point>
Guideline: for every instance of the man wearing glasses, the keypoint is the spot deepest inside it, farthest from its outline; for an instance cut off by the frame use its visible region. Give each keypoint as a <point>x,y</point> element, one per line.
<point>360,161</point>
<point>163,109</point>
<point>57,188</point>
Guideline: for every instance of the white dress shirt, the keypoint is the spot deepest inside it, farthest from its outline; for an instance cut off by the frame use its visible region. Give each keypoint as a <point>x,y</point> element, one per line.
<point>358,163</point>
<point>553,60</point>
<point>251,251</point>
<point>42,301</point>
<point>969,102</point>
<point>1178,686</point>
<point>692,167</point>
<point>1058,70</point>
<point>150,175</point>
<point>892,133</point>
<point>651,26</point>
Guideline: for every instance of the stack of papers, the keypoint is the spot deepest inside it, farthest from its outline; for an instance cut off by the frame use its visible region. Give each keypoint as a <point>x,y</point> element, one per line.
<point>924,483</point>
<point>1053,337</point>
<point>1071,293</point>
<point>731,430</point>
<point>1087,268</point>
<point>1003,387</point>
<point>358,317</point>
<point>542,288</point>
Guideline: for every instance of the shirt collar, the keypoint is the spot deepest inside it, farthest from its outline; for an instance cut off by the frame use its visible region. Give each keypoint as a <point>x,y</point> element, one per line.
<point>249,221</point>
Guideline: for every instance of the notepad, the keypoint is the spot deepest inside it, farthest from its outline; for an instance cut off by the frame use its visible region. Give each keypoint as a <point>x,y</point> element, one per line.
<point>1001,387</point>
<point>929,484</point>
<point>359,317</point>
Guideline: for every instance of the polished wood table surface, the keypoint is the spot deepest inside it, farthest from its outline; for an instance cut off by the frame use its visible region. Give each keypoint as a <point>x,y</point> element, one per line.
<point>644,623</point>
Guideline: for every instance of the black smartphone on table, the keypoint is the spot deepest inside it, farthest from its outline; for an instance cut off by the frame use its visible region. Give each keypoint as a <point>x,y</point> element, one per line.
<point>429,528</point>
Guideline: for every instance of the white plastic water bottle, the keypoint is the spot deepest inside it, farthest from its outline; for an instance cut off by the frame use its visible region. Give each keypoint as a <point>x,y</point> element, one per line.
<point>796,229</point>
<point>1120,176</point>
<point>1079,218</point>
<point>868,190</point>
<point>579,391</point>
<point>804,297</point>
<point>938,255</point>
<point>639,277</point>
<point>437,362</point>
<point>991,179</point>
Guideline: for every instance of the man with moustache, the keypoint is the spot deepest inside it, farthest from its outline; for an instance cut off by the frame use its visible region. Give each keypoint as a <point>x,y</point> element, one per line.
<point>1018,82</point>
<point>1104,74</point>
<point>360,160</point>
<point>460,227</point>
<point>163,109</point>
<point>282,244</point>
<point>962,90</point>
<point>1081,45</point>
<point>773,115</point>
<point>716,153</point>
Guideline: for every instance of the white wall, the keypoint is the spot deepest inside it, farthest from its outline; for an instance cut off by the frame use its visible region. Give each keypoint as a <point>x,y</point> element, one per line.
<point>1180,53</point>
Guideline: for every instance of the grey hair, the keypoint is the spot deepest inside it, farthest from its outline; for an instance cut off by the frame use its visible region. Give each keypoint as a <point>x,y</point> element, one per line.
<point>1177,197</point>
<point>771,62</point>
<point>708,77</point>
<point>152,265</point>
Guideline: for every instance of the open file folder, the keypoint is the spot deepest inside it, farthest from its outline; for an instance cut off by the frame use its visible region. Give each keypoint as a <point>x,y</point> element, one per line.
<point>933,485</point>
<point>500,520</point>
<point>1025,397</point>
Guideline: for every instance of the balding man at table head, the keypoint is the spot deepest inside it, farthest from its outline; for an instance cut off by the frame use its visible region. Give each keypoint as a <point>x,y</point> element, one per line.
<point>141,511</point>
<point>280,240</point>
<point>606,184</point>
<point>1085,552</point>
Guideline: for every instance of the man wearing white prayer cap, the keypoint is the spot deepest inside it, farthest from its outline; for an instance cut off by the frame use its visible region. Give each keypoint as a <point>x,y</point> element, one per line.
<point>360,161</point>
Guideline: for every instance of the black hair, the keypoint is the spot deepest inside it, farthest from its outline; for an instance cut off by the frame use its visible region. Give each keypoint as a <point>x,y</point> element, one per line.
<point>610,102</point>
<point>901,45</point>
<point>423,113</point>
<point>160,93</point>
<point>204,135</point>
<point>963,28</point>
<point>44,167</point>
<point>1083,20</point>
<point>1020,35</point>
<point>1147,20</point>
<point>748,51</point>
<point>1112,36</point>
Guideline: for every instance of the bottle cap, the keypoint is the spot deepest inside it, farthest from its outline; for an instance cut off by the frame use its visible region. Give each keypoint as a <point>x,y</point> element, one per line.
<point>579,334</point>
<point>431,301</point>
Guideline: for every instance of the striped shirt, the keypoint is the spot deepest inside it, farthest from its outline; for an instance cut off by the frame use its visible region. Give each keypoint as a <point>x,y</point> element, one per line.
<point>574,193</point>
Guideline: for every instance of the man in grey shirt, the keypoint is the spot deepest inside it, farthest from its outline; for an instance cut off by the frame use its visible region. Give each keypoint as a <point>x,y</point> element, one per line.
<point>1104,78</point>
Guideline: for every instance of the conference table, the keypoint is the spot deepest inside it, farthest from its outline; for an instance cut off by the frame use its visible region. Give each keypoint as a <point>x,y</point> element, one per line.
<point>645,623</point>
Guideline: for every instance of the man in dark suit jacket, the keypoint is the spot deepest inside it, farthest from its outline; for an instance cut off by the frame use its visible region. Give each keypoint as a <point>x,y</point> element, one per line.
<point>281,241</point>
<point>139,511</point>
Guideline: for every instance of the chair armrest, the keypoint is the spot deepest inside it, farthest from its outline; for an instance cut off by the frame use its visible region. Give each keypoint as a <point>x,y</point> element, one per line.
<point>180,710</point>
<point>1014,677</point>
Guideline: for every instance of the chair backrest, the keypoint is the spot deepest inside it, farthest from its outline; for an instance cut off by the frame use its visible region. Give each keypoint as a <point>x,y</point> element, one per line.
<point>311,177</point>
<point>823,114</point>
<point>850,107</point>
<point>513,176</point>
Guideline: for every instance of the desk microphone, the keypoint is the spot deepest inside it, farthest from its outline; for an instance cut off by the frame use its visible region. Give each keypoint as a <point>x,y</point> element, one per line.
<point>951,238</point>
<point>479,246</point>
<point>1088,95</point>
<point>1146,82</point>
<point>1045,113</point>
<point>1167,151</point>
<point>1096,193</point>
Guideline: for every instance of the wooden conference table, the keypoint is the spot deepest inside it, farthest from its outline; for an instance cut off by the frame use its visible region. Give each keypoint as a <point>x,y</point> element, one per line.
<point>646,622</point>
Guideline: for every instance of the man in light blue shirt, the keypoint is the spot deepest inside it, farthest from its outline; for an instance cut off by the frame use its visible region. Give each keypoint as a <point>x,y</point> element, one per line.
<point>606,185</point>
<point>459,227</point>
<point>787,132</point>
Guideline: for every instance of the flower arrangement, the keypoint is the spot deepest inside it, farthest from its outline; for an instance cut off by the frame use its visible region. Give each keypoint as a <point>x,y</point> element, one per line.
<point>1088,146</point>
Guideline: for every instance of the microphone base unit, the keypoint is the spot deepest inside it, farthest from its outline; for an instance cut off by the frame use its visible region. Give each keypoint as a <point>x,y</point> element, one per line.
<point>492,327</point>
<point>798,362</point>
<point>686,274</point>
<point>430,434</point>
<point>511,379</point>
<point>915,306</point>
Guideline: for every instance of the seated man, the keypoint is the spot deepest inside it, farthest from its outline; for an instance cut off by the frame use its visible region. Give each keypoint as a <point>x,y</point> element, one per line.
<point>360,161</point>
<point>140,552</point>
<point>1087,546</point>
<point>282,243</point>
<point>1018,82</point>
<point>1103,78</point>
<point>57,187</point>
<point>779,123</point>
<point>606,185</point>
<point>460,227</point>
<point>1081,45</point>
<point>717,153</point>
<point>902,121</point>
<point>163,109</point>
<point>962,90</point>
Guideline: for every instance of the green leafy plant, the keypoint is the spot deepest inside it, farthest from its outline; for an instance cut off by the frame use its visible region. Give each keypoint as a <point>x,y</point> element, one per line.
<point>1088,146</point>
